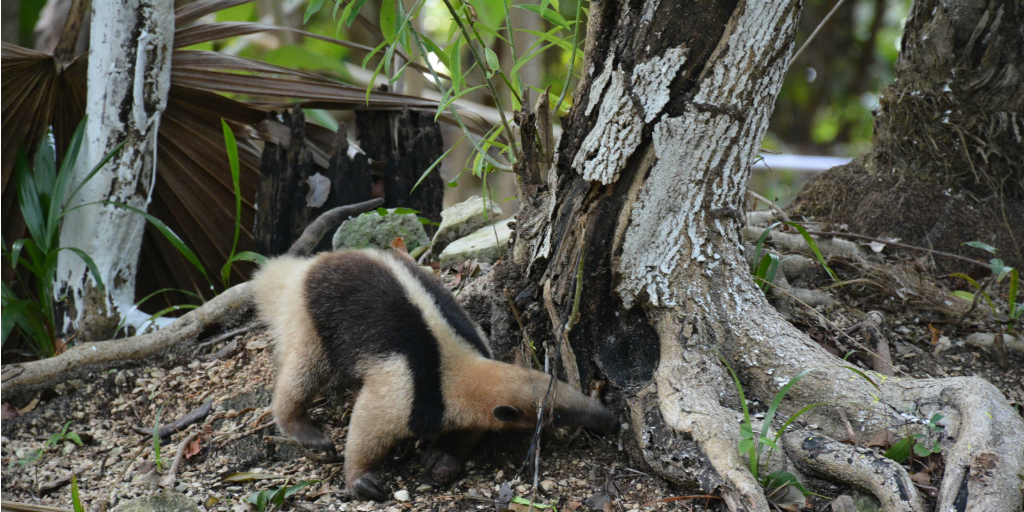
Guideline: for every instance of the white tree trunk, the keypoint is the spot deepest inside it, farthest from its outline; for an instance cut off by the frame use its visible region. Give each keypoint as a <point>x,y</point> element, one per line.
<point>129,78</point>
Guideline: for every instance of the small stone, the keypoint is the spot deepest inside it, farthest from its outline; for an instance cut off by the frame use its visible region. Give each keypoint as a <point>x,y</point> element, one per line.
<point>547,486</point>
<point>375,230</point>
<point>423,488</point>
<point>485,244</point>
<point>462,219</point>
<point>120,379</point>
<point>402,495</point>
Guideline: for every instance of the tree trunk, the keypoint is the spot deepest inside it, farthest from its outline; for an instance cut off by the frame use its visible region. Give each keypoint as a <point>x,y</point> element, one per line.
<point>647,189</point>
<point>945,163</point>
<point>129,77</point>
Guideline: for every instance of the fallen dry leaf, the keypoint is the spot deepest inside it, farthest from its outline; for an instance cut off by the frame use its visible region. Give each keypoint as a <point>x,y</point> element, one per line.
<point>398,244</point>
<point>193,448</point>
<point>921,478</point>
<point>9,411</point>
<point>882,438</point>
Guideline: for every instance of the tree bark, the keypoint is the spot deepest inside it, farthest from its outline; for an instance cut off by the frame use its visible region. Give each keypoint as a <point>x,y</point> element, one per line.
<point>955,113</point>
<point>648,191</point>
<point>945,160</point>
<point>129,77</point>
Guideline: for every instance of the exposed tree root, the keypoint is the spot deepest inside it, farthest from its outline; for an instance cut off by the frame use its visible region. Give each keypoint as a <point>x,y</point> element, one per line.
<point>860,467</point>
<point>985,462</point>
<point>219,311</point>
<point>224,309</point>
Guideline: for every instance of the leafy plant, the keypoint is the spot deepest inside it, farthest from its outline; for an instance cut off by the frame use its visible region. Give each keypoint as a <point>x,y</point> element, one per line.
<point>757,445</point>
<point>64,435</point>
<point>1000,271</point>
<point>273,498</point>
<point>475,33</point>
<point>43,196</point>
<point>916,443</point>
<point>765,266</point>
<point>54,440</point>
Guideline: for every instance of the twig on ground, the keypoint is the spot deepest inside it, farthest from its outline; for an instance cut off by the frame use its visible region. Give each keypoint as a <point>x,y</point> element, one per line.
<point>677,498</point>
<point>14,506</point>
<point>180,423</point>
<point>837,234</point>
<point>172,473</point>
<point>313,456</point>
<point>48,487</point>
<point>771,204</point>
<point>226,336</point>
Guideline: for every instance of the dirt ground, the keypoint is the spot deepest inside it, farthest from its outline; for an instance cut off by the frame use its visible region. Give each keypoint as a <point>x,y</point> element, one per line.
<point>229,460</point>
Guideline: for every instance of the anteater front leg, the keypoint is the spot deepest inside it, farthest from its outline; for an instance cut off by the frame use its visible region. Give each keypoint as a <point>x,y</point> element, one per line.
<point>444,459</point>
<point>380,418</point>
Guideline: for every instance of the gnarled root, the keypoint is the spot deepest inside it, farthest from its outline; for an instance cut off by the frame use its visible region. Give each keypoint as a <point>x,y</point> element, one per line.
<point>860,467</point>
<point>985,463</point>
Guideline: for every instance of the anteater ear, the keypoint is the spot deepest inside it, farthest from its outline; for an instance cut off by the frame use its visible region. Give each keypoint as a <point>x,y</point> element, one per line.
<point>507,413</point>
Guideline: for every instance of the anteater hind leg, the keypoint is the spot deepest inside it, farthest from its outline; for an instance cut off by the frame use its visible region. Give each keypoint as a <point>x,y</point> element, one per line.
<point>444,459</point>
<point>299,381</point>
<point>380,418</point>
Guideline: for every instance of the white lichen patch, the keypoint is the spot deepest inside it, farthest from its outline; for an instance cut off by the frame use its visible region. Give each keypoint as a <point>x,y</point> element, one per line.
<point>668,223</point>
<point>705,151</point>
<point>651,80</point>
<point>616,134</point>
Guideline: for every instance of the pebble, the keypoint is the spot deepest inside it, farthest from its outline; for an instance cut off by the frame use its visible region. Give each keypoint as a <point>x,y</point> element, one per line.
<point>547,486</point>
<point>402,495</point>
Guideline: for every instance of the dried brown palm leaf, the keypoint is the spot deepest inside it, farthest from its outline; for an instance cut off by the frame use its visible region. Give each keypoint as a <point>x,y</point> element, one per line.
<point>193,193</point>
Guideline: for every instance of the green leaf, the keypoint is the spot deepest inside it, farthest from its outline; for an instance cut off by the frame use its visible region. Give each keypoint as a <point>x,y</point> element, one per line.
<point>814,248</point>
<point>455,63</point>
<point>388,20</point>
<point>313,8</point>
<point>437,51</point>
<point>171,237</point>
<point>254,257</point>
<point>88,263</point>
<point>44,169</point>
<point>453,98</point>
<point>74,438</point>
<point>232,150</point>
<point>981,245</point>
<point>968,296</point>
<point>351,12</point>
<point>998,267</point>
<point>28,201</point>
<point>523,501</point>
<point>921,450</point>
<point>298,487</point>
<point>548,14</point>
<point>778,479</point>
<point>899,451</point>
<point>76,500</point>
<point>435,164</point>
<point>492,61</point>
<point>746,446</point>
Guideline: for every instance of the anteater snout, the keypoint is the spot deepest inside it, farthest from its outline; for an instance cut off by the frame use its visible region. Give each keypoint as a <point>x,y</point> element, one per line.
<point>595,417</point>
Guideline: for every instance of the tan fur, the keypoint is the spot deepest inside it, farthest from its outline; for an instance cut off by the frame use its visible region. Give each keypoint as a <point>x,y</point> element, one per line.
<point>472,385</point>
<point>281,302</point>
<point>377,421</point>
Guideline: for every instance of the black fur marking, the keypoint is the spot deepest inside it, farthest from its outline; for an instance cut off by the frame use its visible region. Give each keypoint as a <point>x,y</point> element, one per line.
<point>449,308</point>
<point>361,312</point>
